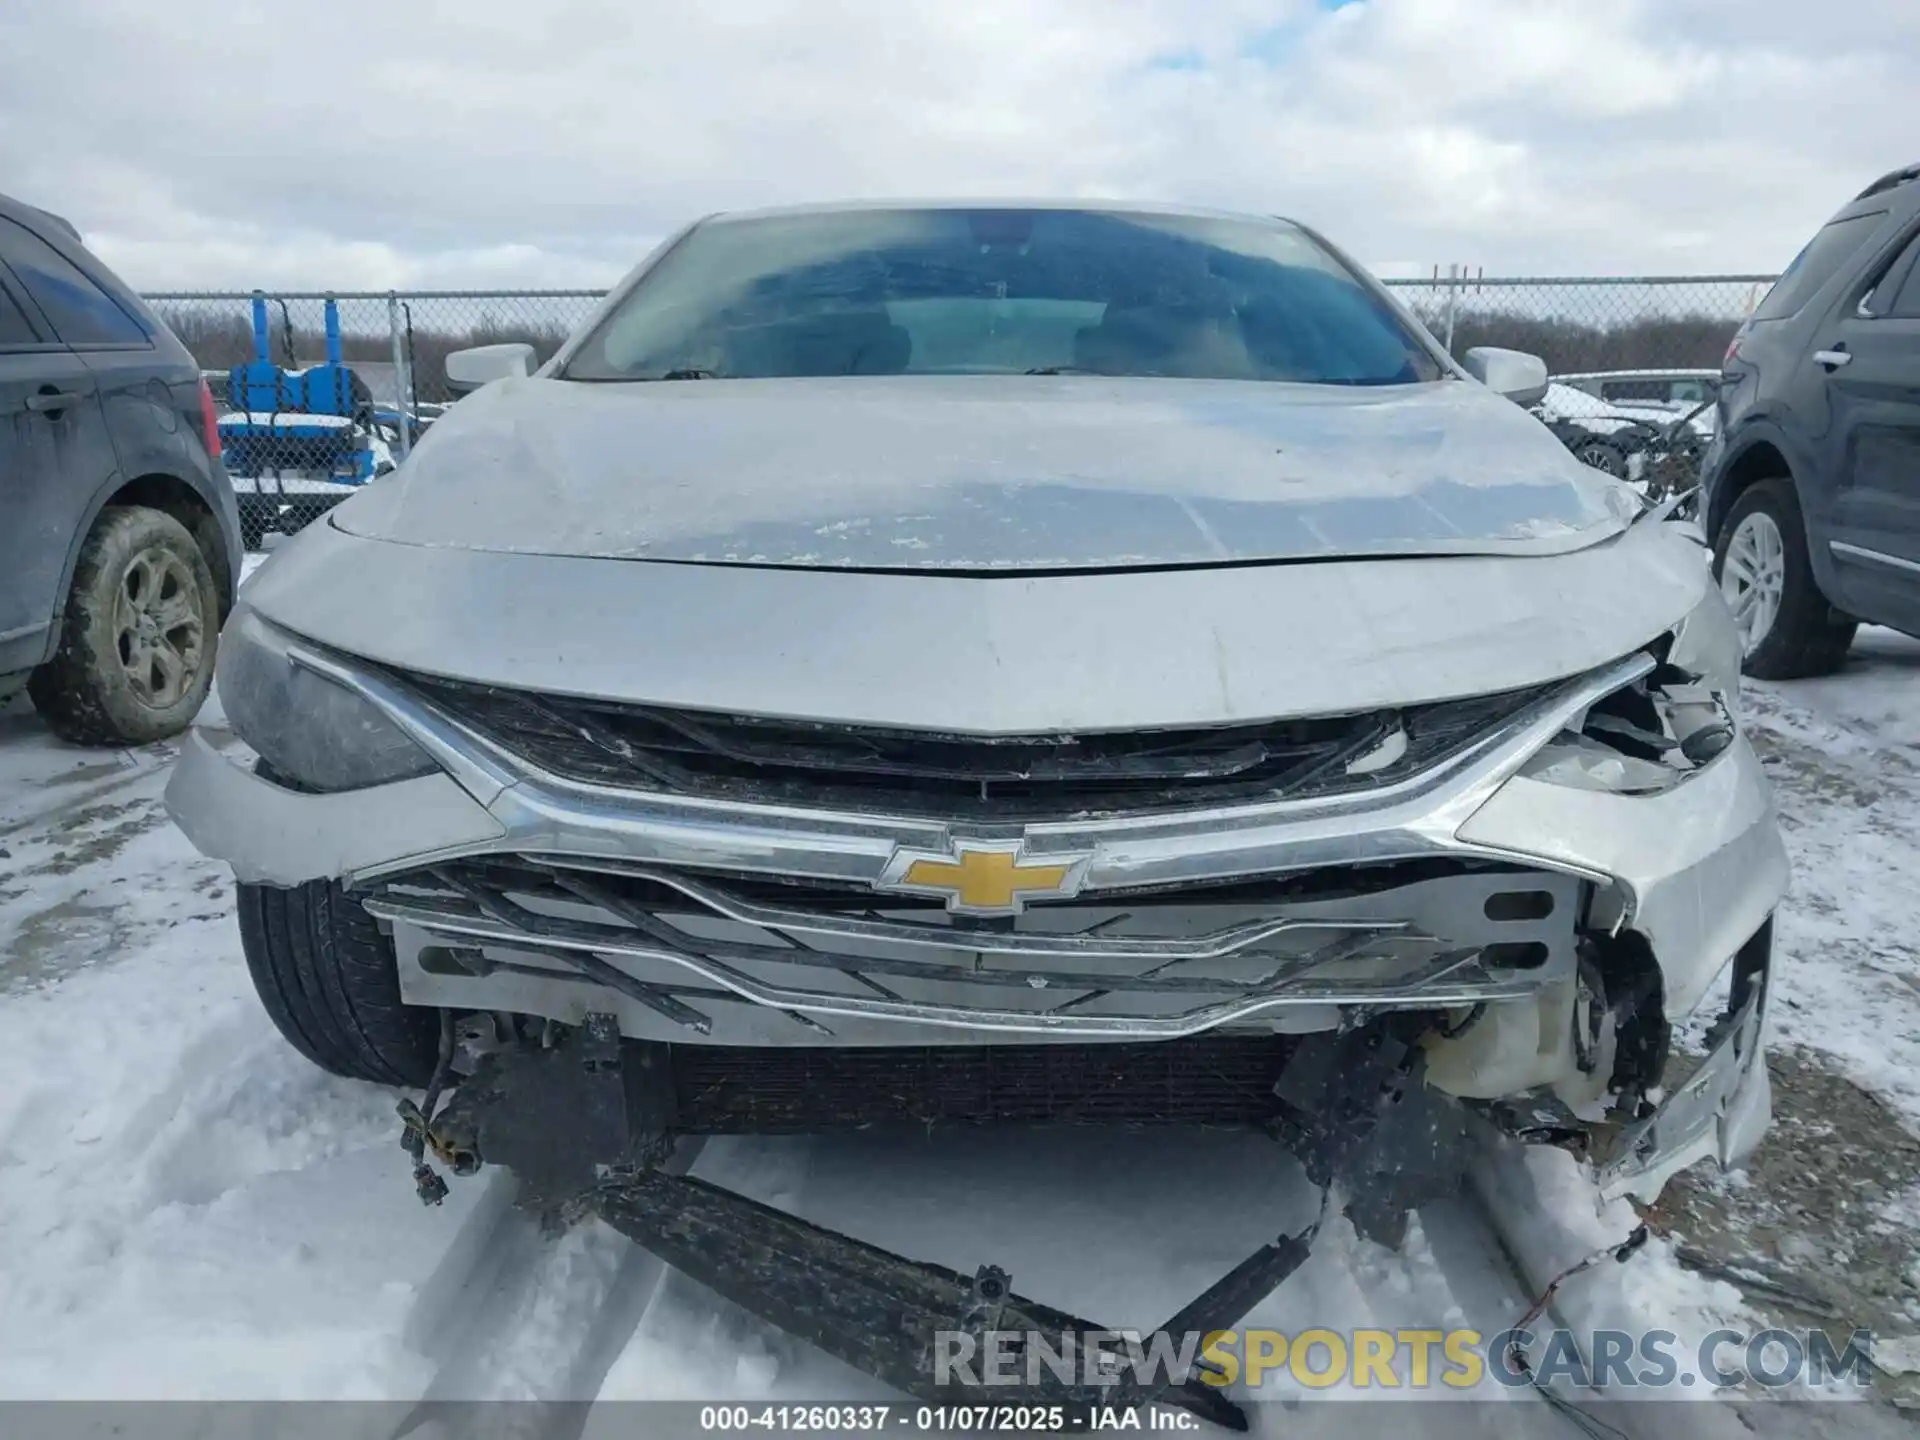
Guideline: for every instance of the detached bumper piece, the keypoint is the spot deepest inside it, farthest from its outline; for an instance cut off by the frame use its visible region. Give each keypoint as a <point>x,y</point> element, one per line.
<point>890,1316</point>
<point>584,1121</point>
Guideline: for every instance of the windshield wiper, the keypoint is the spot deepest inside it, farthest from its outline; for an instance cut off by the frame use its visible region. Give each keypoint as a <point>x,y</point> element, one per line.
<point>687,374</point>
<point>1063,370</point>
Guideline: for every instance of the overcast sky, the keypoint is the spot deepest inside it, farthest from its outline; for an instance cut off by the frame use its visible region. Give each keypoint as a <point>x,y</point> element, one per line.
<point>354,144</point>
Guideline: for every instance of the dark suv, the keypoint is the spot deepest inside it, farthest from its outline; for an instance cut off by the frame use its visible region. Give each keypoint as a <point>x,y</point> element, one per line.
<point>119,540</point>
<point>1812,486</point>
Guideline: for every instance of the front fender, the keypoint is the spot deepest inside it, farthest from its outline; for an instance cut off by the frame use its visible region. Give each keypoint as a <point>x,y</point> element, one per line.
<point>1730,467</point>
<point>217,498</point>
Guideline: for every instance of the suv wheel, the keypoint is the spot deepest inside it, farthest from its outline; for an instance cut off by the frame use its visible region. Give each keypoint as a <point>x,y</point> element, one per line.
<point>1787,628</point>
<point>137,641</point>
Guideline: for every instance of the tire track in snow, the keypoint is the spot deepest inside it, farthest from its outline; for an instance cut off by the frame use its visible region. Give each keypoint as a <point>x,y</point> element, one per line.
<point>520,1316</point>
<point>186,1201</point>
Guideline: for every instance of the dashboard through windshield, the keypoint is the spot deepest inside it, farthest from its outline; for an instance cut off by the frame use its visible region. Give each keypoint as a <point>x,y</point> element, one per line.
<point>1002,291</point>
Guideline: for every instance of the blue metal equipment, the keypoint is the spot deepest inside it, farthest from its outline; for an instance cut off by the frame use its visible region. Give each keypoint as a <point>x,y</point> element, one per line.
<point>297,441</point>
<point>313,424</point>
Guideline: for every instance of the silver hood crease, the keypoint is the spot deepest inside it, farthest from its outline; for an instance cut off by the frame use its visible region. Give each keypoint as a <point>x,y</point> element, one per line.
<point>990,473</point>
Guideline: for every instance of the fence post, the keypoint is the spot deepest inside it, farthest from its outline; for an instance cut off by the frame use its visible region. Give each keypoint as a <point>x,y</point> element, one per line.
<point>1453,291</point>
<point>402,380</point>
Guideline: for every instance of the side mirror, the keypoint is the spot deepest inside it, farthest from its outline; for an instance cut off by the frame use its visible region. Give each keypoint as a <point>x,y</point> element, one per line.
<point>483,364</point>
<point>1521,377</point>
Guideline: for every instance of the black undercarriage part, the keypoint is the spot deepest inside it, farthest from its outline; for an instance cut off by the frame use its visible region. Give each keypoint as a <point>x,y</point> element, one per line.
<point>584,1119</point>
<point>887,1315</point>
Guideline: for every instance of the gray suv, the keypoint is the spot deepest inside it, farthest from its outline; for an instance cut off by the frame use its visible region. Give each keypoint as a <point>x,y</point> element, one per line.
<point>119,539</point>
<point>1812,488</point>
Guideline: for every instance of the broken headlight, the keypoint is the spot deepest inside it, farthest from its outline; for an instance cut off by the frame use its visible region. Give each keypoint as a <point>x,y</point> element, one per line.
<point>1670,723</point>
<point>306,728</point>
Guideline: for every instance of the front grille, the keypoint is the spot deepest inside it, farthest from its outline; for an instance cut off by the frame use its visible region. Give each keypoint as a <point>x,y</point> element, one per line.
<point>1207,1080</point>
<point>687,954</point>
<point>739,757</point>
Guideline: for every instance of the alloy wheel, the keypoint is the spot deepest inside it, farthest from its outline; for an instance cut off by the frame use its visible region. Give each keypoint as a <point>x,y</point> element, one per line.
<point>1754,577</point>
<point>159,626</point>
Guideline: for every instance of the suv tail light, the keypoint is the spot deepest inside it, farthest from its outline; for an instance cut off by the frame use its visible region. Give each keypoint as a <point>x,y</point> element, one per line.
<point>1733,345</point>
<point>209,421</point>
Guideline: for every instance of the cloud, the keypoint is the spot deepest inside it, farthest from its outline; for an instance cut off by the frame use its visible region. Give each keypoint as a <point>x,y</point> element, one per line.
<point>489,143</point>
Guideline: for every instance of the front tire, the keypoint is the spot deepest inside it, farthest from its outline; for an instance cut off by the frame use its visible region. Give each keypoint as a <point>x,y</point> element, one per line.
<point>138,638</point>
<point>330,982</point>
<point>1788,631</point>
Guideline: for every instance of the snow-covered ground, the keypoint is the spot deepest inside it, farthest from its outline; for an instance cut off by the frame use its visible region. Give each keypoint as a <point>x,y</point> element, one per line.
<point>189,1210</point>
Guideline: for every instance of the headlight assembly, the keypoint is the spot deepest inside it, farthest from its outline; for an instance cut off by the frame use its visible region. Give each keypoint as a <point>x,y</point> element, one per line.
<point>1672,722</point>
<point>305,727</point>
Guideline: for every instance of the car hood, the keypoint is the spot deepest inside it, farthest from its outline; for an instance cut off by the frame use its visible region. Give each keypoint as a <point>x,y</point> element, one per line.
<point>988,654</point>
<point>988,473</point>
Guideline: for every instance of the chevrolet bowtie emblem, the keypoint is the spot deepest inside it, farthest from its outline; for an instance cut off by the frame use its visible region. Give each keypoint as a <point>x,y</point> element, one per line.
<point>983,877</point>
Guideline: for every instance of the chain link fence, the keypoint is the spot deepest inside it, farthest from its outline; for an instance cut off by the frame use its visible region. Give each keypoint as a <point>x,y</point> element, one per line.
<point>1635,361</point>
<point>320,393</point>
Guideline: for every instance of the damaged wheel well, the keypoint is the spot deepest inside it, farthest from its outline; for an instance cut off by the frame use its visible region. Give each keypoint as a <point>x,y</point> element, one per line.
<point>1627,987</point>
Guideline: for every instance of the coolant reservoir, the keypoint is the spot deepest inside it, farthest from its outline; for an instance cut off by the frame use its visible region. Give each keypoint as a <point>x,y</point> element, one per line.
<point>1515,1045</point>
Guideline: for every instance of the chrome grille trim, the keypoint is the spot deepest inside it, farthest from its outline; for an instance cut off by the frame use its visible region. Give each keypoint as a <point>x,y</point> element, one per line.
<point>1450,981</point>
<point>542,813</point>
<point>1430,942</point>
<point>1225,941</point>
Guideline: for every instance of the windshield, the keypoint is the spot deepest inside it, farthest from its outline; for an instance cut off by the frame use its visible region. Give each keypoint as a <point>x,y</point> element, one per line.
<point>960,292</point>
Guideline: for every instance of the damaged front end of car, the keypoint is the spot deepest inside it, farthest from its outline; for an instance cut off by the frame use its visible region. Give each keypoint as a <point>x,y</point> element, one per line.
<point>1545,910</point>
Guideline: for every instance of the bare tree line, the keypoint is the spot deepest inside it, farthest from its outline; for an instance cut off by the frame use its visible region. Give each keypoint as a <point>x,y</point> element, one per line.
<point>1666,342</point>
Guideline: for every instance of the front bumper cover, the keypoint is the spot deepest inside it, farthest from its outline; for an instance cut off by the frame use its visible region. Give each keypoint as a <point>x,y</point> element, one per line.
<point>1721,1108</point>
<point>1695,871</point>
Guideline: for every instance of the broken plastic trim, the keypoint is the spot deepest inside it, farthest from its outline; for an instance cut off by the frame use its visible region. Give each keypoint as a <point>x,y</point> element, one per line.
<point>585,1123</point>
<point>1669,1105</point>
<point>1720,1108</point>
<point>905,1321</point>
<point>1646,737</point>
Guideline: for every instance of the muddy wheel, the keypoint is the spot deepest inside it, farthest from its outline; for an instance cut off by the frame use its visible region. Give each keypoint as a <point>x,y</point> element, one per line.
<point>1787,628</point>
<point>331,984</point>
<point>137,641</point>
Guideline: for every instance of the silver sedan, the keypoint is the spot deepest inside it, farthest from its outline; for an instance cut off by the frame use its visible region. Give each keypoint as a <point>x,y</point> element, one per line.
<point>973,663</point>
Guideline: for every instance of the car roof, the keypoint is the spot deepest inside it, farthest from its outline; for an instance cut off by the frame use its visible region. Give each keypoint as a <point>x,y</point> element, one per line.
<point>1892,180</point>
<point>1078,203</point>
<point>19,209</point>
